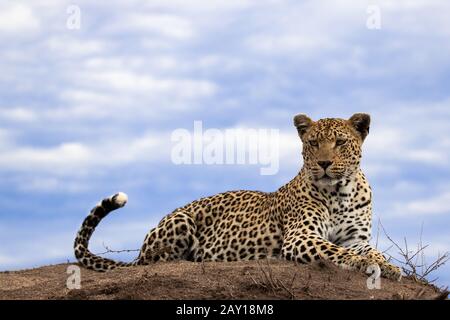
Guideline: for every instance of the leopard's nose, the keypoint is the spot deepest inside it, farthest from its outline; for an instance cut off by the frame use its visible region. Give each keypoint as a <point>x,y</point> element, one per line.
<point>324,164</point>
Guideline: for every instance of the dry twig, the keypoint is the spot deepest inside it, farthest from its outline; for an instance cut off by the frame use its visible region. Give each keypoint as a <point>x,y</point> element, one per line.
<point>109,250</point>
<point>413,262</point>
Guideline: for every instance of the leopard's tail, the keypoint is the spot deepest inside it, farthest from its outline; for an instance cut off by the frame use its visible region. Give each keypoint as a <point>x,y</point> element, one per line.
<point>82,253</point>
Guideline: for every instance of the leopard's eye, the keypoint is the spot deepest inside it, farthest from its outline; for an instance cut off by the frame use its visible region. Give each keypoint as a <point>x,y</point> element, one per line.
<point>314,143</point>
<point>340,142</point>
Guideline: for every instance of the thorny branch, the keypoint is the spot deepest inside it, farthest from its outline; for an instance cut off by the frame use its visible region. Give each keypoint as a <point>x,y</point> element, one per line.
<point>109,250</point>
<point>413,262</point>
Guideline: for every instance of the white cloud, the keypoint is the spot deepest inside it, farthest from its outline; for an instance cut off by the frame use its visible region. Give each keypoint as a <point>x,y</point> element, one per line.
<point>416,16</point>
<point>428,156</point>
<point>385,139</point>
<point>300,45</point>
<point>438,204</point>
<point>163,24</point>
<point>45,184</point>
<point>20,114</point>
<point>88,97</point>
<point>17,18</point>
<point>308,29</point>
<point>132,82</point>
<point>373,168</point>
<point>120,86</point>
<point>67,157</point>
<point>392,142</point>
<point>75,158</point>
<point>202,6</point>
<point>71,46</point>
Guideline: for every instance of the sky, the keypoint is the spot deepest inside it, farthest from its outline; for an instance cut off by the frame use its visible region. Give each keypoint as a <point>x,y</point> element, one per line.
<point>91,94</point>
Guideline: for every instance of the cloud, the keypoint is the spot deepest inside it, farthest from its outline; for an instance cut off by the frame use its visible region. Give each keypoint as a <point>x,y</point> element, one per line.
<point>73,158</point>
<point>17,18</point>
<point>413,134</point>
<point>282,44</point>
<point>19,114</point>
<point>163,24</point>
<point>390,144</point>
<point>434,205</point>
<point>119,88</point>
<point>199,5</point>
<point>128,81</point>
<point>403,16</point>
<point>70,46</point>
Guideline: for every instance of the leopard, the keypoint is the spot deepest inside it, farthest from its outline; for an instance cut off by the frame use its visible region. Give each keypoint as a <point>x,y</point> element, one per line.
<point>323,214</point>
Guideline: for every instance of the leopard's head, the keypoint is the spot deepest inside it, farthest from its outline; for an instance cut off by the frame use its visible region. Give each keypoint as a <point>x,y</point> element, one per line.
<point>332,147</point>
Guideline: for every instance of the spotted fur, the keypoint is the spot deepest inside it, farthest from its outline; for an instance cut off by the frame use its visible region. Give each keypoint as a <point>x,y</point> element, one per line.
<point>322,213</point>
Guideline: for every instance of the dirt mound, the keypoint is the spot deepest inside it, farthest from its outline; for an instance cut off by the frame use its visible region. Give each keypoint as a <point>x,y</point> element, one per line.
<point>212,280</point>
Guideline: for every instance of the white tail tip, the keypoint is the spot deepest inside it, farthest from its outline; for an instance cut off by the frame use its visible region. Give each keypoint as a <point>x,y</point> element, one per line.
<point>120,199</point>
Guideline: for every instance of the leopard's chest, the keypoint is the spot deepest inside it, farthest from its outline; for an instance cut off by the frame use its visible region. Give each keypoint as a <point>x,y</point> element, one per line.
<point>349,213</point>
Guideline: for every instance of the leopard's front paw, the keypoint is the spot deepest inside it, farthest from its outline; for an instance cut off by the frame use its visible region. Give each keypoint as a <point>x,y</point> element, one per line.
<point>390,271</point>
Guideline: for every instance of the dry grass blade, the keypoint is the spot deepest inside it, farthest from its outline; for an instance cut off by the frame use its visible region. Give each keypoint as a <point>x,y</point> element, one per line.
<point>269,282</point>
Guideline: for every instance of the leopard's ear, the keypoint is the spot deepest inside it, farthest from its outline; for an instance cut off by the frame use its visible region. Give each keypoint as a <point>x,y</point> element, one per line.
<point>361,123</point>
<point>302,122</point>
